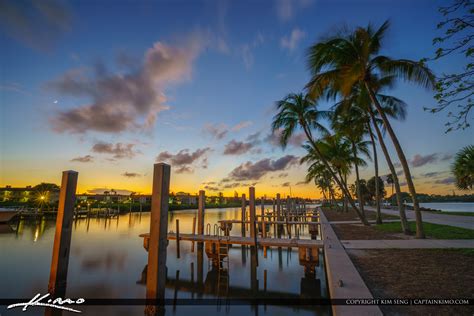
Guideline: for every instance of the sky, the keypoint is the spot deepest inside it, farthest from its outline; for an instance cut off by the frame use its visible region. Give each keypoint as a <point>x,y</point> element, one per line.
<point>110,88</point>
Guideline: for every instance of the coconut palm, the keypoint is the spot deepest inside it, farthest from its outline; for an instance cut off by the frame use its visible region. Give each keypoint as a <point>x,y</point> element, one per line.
<point>298,111</point>
<point>321,177</point>
<point>463,168</point>
<point>352,58</point>
<point>389,180</point>
<point>349,125</point>
<point>359,104</point>
<point>338,151</point>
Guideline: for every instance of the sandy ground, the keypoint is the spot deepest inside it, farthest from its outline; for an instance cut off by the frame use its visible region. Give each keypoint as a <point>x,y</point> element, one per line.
<point>417,273</point>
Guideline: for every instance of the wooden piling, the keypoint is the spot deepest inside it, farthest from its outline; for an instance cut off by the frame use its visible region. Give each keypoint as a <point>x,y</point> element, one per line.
<point>201,206</point>
<point>194,232</point>
<point>244,206</point>
<point>156,272</point>
<point>62,236</point>
<point>253,232</point>
<point>278,207</point>
<point>177,238</point>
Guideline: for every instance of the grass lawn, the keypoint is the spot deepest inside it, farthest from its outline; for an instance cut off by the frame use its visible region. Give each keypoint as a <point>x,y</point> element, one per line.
<point>431,230</point>
<point>454,213</point>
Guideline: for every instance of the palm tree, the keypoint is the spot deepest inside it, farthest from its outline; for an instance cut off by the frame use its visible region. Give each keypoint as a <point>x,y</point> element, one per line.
<point>389,180</point>
<point>298,111</point>
<point>337,150</point>
<point>463,168</point>
<point>351,59</point>
<point>321,177</point>
<point>349,125</point>
<point>358,104</point>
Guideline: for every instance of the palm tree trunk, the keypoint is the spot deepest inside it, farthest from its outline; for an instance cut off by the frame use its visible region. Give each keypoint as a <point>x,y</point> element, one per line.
<point>359,195</point>
<point>396,183</point>
<point>401,155</point>
<point>344,189</point>
<point>376,167</point>
<point>345,202</point>
<point>324,193</point>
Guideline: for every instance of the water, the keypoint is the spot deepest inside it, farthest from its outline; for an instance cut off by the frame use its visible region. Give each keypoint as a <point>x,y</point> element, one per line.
<point>450,207</point>
<point>107,260</point>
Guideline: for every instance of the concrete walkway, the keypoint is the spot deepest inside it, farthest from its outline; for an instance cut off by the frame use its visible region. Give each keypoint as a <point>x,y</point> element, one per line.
<point>451,220</point>
<point>408,244</point>
<point>344,281</point>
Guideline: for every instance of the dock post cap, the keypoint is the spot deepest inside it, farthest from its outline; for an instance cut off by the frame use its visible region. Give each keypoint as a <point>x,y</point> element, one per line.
<point>162,164</point>
<point>70,171</point>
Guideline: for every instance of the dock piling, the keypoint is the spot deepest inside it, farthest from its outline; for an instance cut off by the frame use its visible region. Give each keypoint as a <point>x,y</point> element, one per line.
<point>62,236</point>
<point>244,206</point>
<point>253,232</point>
<point>201,210</point>
<point>156,273</point>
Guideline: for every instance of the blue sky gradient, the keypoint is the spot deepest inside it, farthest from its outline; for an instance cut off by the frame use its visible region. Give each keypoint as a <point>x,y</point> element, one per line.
<point>245,55</point>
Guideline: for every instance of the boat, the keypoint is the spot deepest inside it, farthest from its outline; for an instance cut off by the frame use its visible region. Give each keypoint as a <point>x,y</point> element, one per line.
<point>7,215</point>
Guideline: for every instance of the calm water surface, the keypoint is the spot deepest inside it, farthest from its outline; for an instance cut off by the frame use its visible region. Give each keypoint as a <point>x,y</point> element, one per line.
<point>450,207</point>
<point>107,260</point>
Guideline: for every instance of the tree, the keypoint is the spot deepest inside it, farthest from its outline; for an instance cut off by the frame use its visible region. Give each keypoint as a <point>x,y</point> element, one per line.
<point>349,59</point>
<point>45,187</point>
<point>456,90</point>
<point>298,111</point>
<point>463,168</point>
<point>389,180</point>
<point>365,194</point>
<point>371,187</point>
<point>350,124</point>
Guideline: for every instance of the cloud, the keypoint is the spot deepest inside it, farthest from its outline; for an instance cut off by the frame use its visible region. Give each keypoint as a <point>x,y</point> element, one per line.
<point>124,101</point>
<point>296,140</point>
<point>286,9</point>
<point>111,191</point>
<point>211,188</point>
<point>301,183</point>
<point>449,180</point>
<point>291,42</point>
<point>216,131</point>
<point>241,125</point>
<point>86,158</point>
<point>246,50</point>
<point>131,174</point>
<point>446,157</point>
<point>432,174</point>
<point>286,184</point>
<point>14,87</point>
<point>254,138</point>
<point>185,161</point>
<point>118,150</point>
<point>237,148</point>
<point>255,171</point>
<point>419,160</point>
<point>37,24</point>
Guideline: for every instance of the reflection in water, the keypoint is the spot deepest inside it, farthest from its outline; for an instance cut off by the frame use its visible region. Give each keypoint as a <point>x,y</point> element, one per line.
<point>107,260</point>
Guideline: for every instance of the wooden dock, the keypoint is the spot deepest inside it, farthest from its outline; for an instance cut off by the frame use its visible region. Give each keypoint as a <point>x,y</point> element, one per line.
<point>236,221</point>
<point>248,241</point>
